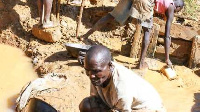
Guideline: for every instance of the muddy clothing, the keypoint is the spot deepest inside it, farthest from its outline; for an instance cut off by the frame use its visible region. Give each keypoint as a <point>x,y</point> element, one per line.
<point>128,92</point>
<point>142,10</point>
<point>162,5</point>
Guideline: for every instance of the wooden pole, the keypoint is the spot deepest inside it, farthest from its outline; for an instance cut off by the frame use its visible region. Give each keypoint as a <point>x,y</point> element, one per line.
<point>135,49</point>
<point>79,18</point>
<point>153,41</point>
<point>58,11</point>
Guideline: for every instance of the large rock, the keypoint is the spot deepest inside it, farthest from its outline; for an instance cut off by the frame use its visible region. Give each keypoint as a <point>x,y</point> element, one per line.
<point>49,82</point>
<point>48,35</point>
<point>195,53</point>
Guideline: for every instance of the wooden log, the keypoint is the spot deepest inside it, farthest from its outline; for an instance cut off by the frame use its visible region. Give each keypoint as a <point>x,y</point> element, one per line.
<point>136,44</point>
<point>79,18</point>
<point>195,53</point>
<point>153,41</point>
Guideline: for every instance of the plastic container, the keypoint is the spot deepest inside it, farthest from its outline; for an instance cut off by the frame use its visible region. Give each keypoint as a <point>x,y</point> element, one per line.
<point>168,72</point>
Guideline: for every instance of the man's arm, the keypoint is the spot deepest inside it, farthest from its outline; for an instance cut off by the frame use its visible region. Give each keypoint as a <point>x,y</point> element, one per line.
<point>170,16</point>
<point>93,90</point>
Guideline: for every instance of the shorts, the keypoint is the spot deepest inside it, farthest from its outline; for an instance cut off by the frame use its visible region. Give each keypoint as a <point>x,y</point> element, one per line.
<point>141,10</point>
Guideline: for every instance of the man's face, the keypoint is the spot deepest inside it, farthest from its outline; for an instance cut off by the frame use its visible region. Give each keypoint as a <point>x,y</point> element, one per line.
<point>97,72</point>
<point>178,8</point>
<point>178,5</point>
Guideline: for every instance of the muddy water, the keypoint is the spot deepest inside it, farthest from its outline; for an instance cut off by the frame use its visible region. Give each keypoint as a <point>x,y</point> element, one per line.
<point>176,98</point>
<point>15,71</point>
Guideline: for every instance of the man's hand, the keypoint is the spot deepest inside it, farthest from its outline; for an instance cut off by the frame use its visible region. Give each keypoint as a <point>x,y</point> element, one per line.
<point>81,57</point>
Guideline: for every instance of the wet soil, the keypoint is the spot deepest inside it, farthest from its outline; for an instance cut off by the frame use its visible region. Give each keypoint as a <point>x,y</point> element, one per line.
<point>18,17</point>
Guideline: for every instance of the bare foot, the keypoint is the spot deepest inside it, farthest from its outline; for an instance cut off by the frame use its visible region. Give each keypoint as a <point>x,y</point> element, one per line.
<point>143,65</point>
<point>169,63</point>
<point>48,24</point>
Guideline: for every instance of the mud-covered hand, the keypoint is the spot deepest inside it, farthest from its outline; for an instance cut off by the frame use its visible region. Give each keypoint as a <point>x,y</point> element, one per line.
<point>81,57</point>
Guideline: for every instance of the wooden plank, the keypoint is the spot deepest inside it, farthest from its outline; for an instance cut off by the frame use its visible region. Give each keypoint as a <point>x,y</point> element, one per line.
<point>153,41</point>
<point>136,44</point>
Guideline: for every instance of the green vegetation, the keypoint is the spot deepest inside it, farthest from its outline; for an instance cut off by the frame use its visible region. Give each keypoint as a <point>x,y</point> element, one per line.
<point>191,9</point>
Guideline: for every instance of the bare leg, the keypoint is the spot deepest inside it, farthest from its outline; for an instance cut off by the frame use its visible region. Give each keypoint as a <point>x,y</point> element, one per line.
<point>167,50</point>
<point>145,44</point>
<point>40,10</point>
<point>47,11</point>
<point>102,22</point>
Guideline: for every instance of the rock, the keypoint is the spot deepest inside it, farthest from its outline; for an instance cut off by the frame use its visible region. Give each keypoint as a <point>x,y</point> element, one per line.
<point>195,53</point>
<point>77,2</point>
<point>49,81</point>
<point>63,23</point>
<point>198,32</point>
<point>96,2</point>
<point>29,52</point>
<point>35,61</point>
<point>161,41</point>
<point>48,35</point>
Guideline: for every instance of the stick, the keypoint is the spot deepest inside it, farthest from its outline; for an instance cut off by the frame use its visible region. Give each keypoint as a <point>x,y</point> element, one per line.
<point>43,14</point>
<point>79,18</point>
<point>58,11</point>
